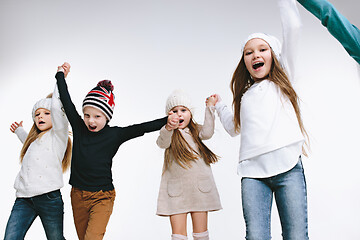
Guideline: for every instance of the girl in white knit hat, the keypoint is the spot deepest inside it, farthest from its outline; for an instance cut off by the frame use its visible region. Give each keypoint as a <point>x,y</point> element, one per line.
<point>187,184</point>
<point>267,114</point>
<point>45,155</point>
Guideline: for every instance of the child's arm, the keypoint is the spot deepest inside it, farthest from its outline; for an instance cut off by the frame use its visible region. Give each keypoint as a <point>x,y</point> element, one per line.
<point>60,124</point>
<point>70,110</point>
<point>18,129</point>
<point>207,129</point>
<point>226,116</point>
<point>291,24</point>
<point>164,139</point>
<point>138,130</point>
<point>346,33</point>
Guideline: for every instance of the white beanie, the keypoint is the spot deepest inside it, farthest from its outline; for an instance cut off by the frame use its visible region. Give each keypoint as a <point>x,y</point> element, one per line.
<point>273,42</point>
<point>43,103</point>
<point>178,98</point>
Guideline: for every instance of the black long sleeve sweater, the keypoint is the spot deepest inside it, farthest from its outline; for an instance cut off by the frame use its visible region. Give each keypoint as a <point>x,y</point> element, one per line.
<point>92,152</point>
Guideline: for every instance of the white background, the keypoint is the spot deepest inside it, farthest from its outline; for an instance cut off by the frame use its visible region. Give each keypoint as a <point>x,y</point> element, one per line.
<point>148,49</point>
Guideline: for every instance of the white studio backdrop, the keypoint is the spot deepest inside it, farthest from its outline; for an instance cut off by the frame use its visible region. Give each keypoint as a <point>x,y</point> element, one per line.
<point>148,49</point>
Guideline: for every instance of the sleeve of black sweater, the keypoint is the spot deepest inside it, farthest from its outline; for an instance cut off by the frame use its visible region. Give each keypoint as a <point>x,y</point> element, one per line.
<point>138,130</point>
<point>68,105</point>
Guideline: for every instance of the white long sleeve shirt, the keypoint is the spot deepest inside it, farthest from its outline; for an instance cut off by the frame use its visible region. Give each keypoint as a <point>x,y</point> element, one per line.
<point>271,139</point>
<point>41,169</point>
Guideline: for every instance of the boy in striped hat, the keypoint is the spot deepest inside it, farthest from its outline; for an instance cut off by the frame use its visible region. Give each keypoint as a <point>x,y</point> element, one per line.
<point>98,106</point>
<point>95,144</point>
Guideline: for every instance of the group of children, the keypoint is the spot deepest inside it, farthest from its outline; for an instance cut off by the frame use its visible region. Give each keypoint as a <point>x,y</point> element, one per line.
<point>265,111</point>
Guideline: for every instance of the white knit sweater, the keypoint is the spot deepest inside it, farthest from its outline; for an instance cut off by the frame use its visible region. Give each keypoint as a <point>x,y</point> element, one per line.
<point>41,169</point>
<point>271,140</point>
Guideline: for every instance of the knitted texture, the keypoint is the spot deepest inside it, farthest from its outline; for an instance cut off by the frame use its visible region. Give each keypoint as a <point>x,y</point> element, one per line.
<point>102,98</point>
<point>179,98</point>
<point>43,103</point>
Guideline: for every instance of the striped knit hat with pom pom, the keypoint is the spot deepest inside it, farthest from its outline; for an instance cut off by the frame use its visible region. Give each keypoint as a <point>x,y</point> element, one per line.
<point>102,98</point>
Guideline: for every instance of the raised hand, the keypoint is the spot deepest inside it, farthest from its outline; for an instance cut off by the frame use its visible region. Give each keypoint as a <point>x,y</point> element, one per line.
<point>172,122</point>
<point>15,125</point>
<point>212,100</point>
<point>65,68</point>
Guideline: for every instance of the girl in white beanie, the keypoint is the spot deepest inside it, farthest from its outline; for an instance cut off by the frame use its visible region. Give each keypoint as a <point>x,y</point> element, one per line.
<point>45,155</point>
<point>267,114</point>
<point>187,184</point>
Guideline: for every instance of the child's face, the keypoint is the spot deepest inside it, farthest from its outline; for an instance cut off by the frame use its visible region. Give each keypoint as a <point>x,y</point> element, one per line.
<point>94,119</point>
<point>258,59</point>
<point>43,119</point>
<point>184,116</point>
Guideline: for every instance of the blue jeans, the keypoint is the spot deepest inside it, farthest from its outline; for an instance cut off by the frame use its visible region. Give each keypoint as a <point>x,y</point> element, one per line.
<point>49,207</point>
<point>289,189</point>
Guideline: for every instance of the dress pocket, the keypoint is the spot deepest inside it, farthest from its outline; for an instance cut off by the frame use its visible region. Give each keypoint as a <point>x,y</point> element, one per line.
<point>205,184</point>
<point>174,187</point>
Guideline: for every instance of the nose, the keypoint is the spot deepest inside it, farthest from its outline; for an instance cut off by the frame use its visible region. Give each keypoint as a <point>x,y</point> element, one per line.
<point>256,54</point>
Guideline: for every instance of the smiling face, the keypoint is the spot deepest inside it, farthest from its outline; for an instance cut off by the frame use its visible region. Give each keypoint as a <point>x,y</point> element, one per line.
<point>258,58</point>
<point>184,116</point>
<point>43,119</point>
<point>94,119</point>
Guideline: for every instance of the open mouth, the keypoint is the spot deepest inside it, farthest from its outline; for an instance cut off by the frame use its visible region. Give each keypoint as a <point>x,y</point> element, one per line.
<point>257,65</point>
<point>41,122</point>
<point>92,127</point>
<point>181,121</point>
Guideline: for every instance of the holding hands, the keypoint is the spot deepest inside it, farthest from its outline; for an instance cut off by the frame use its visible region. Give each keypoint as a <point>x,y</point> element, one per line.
<point>212,100</point>
<point>172,122</point>
<point>15,125</point>
<point>65,68</point>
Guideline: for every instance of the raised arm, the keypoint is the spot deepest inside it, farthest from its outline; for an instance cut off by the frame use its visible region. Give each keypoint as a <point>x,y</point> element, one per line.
<point>291,24</point>
<point>345,32</point>
<point>70,110</point>
<point>18,129</point>
<point>207,129</point>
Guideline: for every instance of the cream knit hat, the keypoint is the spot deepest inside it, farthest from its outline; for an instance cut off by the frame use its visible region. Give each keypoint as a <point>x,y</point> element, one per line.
<point>178,98</point>
<point>42,103</point>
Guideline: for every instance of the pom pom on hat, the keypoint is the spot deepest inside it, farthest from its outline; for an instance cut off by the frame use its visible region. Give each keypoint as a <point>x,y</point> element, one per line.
<point>178,98</point>
<point>102,98</point>
<point>273,42</point>
<point>42,103</point>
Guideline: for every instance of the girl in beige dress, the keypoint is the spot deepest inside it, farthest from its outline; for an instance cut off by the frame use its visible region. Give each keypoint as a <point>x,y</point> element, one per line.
<point>187,184</point>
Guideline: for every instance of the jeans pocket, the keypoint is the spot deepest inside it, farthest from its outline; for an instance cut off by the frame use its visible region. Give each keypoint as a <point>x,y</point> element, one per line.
<point>205,184</point>
<point>53,195</point>
<point>174,187</point>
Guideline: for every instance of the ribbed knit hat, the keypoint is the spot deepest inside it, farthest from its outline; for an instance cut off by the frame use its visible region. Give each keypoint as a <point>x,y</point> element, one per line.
<point>102,98</point>
<point>42,103</point>
<point>273,42</point>
<point>178,98</point>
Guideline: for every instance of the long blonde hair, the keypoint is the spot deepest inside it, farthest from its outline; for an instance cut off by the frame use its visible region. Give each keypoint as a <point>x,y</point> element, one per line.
<point>35,133</point>
<point>241,81</point>
<point>183,153</point>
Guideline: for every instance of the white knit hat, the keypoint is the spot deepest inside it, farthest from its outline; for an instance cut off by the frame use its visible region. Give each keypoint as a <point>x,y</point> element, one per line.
<point>273,42</point>
<point>178,98</point>
<point>43,103</point>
